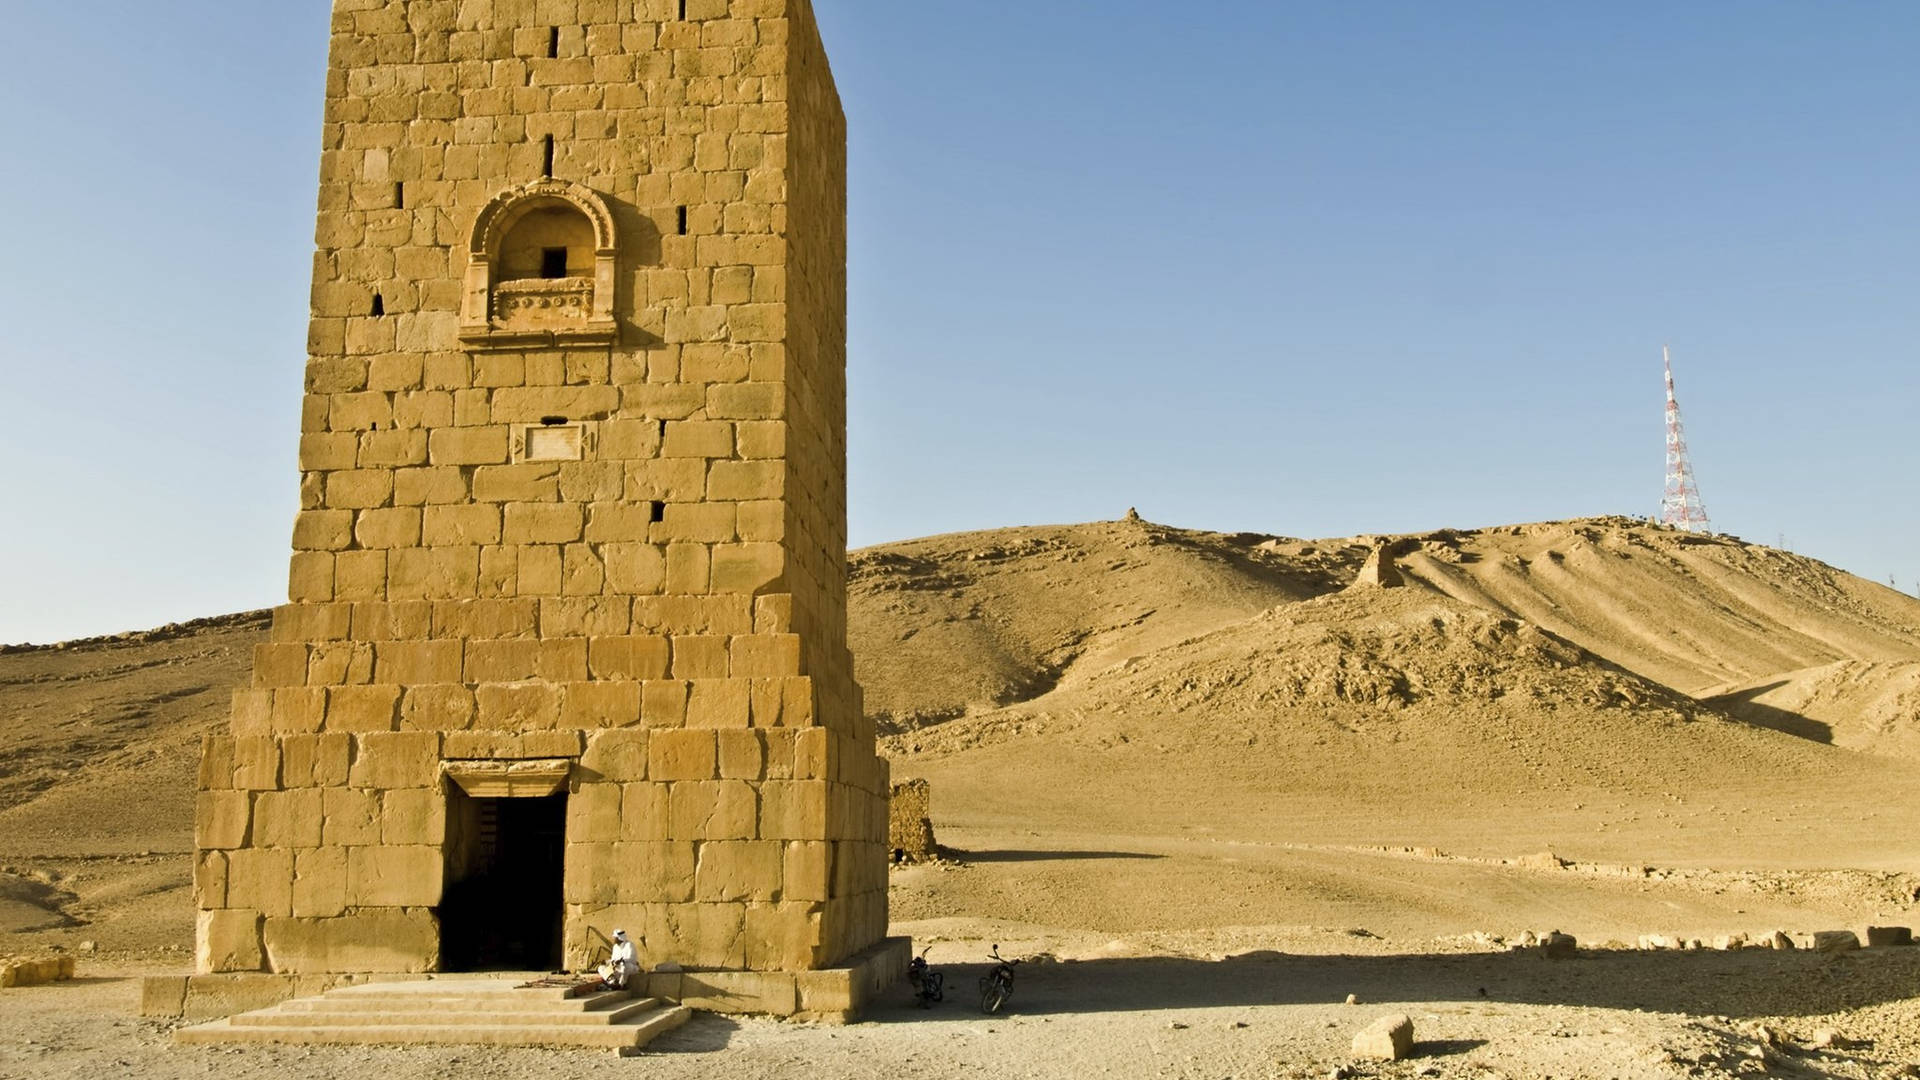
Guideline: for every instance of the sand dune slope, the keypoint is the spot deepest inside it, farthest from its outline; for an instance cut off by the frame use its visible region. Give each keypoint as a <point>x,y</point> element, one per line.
<point>1387,706</point>
<point>101,743</point>
<point>972,621</point>
<point>1690,611</point>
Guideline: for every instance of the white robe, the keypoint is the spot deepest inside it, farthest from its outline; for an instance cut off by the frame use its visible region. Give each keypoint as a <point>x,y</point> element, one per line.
<point>623,965</point>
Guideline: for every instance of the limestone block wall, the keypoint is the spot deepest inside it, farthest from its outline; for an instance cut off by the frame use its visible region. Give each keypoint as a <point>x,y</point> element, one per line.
<point>596,516</point>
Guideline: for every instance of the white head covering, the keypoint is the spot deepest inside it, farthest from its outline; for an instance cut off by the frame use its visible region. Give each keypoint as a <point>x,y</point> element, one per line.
<point>619,933</point>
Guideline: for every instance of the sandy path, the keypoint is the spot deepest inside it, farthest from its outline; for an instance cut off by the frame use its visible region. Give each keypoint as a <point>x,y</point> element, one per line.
<point>1604,1015</point>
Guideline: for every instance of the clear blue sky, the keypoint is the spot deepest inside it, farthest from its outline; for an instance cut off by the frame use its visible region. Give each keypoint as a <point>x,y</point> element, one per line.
<point>1313,269</point>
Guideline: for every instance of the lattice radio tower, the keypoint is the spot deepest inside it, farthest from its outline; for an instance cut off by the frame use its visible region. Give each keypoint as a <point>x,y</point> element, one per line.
<point>1681,507</point>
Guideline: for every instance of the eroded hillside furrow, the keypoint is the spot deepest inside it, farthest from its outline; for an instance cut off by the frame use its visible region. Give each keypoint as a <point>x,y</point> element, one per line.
<point>1693,612</point>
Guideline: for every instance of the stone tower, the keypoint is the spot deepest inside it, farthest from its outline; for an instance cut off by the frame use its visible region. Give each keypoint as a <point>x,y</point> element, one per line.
<point>565,647</point>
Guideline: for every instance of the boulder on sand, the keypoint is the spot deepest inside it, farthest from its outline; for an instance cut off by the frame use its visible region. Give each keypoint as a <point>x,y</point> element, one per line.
<point>1836,941</point>
<point>1389,1038</point>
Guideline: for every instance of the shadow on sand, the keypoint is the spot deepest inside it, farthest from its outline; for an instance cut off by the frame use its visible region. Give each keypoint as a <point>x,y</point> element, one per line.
<point>1742,707</point>
<point>1735,984</point>
<point>1024,855</point>
<point>704,1033</point>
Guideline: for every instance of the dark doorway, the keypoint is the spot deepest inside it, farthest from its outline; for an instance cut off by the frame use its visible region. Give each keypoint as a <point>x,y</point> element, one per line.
<point>501,910</point>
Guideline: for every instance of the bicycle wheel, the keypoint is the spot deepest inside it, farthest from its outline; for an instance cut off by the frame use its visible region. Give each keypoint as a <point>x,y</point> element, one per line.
<point>993,998</point>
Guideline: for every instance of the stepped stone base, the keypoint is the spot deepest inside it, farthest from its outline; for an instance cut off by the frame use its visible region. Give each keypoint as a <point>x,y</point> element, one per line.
<point>476,1011</point>
<point>834,995</point>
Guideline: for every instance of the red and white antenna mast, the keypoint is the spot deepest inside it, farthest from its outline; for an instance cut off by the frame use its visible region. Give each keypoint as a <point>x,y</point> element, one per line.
<point>1681,508</point>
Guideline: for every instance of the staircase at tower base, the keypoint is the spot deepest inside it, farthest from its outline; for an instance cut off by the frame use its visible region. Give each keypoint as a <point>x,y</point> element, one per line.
<point>839,994</point>
<point>465,1010</point>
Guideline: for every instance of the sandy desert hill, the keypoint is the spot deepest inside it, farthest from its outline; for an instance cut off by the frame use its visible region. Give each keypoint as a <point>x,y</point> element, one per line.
<point>950,624</point>
<point>1230,697</point>
<point>1039,607</point>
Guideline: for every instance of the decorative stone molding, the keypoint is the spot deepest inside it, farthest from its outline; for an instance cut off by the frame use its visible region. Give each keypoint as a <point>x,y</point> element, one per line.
<point>526,779</point>
<point>498,313</point>
<point>543,303</point>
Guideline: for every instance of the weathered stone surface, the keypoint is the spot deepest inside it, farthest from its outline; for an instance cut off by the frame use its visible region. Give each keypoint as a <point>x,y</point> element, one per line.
<point>910,823</point>
<point>511,745</point>
<point>221,819</point>
<point>769,992</point>
<point>352,816</point>
<point>618,755</point>
<point>394,876</point>
<point>1378,571</point>
<point>376,940</point>
<point>643,811</point>
<point>260,879</point>
<point>836,994</point>
<point>1880,937</point>
<point>228,940</point>
<point>287,819</point>
<point>711,810</point>
<point>742,754</point>
<point>413,816</point>
<point>1835,941</point>
<point>396,759</point>
<point>210,880</point>
<point>35,971</point>
<point>601,873</point>
<point>593,813</point>
<point>789,935</point>
<point>163,995</point>
<point>737,870</point>
<point>217,995</point>
<point>1389,1038</point>
<point>683,755</point>
<point>1558,946</point>
<point>320,882</point>
<point>793,809</point>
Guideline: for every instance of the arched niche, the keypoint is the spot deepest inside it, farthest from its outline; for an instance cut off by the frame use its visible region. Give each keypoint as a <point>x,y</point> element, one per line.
<point>540,268</point>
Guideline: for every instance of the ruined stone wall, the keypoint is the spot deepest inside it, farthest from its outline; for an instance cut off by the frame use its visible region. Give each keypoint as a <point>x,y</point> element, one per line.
<point>910,822</point>
<point>662,603</point>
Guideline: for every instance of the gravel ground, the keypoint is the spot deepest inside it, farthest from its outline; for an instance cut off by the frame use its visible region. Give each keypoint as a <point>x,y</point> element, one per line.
<point>1261,1014</point>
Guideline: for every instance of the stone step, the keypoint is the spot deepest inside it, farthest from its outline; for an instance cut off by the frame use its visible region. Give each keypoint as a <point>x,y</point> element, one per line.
<point>336,1002</point>
<point>419,1019</point>
<point>283,1016</point>
<point>472,988</point>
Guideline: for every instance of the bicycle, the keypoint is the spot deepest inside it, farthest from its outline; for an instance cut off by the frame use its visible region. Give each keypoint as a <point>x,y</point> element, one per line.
<point>996,986</point>
<point>928,986</point>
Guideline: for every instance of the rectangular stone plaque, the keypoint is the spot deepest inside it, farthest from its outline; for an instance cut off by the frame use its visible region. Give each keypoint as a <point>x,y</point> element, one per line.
<point>551,442</point>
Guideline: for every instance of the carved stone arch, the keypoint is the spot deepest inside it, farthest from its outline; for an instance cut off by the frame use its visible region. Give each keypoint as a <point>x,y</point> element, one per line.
<point>503,311</point>
<point>510,205</point>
